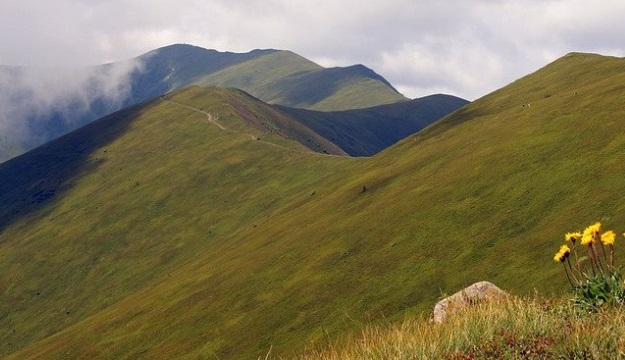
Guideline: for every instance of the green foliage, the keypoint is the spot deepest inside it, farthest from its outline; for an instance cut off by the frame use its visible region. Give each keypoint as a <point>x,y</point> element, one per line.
<point>596,291</point>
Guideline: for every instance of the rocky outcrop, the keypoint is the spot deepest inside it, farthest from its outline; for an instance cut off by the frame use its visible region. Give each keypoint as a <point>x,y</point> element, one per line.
<point>476,293</point>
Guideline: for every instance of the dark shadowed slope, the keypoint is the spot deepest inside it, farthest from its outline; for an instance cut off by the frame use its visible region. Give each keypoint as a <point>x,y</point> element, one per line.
<point>365,132</point>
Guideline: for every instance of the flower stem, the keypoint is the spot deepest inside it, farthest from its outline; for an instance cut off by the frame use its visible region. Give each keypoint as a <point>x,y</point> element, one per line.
<point>568,260</point>
<point>577,265</point>
<point>612,256</point>
<point>567,276</point>
<point>593,256</point>
<point>605,257</point>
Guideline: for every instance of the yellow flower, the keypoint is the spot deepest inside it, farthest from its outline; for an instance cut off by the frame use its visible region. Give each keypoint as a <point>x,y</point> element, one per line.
<point>607,238</point>
<point>563,254</point>
<point>595,228</point>
<point>573,237</point>
<point>558,257</point>
<point>591,233</point>
<point>587,239</point>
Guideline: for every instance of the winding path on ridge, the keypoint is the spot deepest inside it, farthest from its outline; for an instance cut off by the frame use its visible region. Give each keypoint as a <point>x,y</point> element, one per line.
<point>213,120</point>
<point>208,115</point>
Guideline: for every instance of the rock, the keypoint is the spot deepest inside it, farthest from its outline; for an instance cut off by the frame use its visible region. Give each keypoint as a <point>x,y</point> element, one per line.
<point>476,293</point>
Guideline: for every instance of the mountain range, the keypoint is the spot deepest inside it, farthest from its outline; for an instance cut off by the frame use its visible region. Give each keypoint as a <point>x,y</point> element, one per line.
<point>43,104</point>
<point>209,224</point>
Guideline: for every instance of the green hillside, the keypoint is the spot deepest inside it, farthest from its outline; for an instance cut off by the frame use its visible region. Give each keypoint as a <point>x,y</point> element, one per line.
<point>256,74</point>
<point>156,234</point>
<point>285,78</point>
<point>274,76</point>
<point>110,191</point>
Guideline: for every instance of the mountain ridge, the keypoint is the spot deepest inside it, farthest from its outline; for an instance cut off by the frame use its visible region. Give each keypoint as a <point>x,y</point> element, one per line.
<point>275,76</point>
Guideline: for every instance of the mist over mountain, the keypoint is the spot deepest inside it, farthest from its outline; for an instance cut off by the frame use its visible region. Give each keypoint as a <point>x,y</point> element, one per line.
<point>40,104</point>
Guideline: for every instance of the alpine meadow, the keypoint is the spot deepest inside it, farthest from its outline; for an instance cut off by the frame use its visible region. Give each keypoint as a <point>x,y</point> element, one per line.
<point>207,223</point>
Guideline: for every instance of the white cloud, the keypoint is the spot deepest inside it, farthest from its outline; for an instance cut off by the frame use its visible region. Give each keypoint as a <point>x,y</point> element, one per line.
<point>466,48</point>
<point>29,95</point>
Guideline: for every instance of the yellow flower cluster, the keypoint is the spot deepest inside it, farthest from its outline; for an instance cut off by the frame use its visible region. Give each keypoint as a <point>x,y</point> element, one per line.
<point>563,254</point>
<point>591,233</point>
<point>598,262</point>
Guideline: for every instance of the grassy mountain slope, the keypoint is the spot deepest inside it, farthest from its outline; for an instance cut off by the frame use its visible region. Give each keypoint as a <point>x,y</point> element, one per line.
<point>207,244</point>
<point>177,66</point>
<point>110,191</point>
<point>269,123</point>
<point>288,79</point>
<point>353,87</point>
<point>258,73</point>
<point>365,132</point>
<point>274,76</point>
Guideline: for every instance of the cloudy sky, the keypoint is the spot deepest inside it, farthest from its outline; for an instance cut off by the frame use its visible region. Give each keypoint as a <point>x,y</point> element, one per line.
<point>462,47</point>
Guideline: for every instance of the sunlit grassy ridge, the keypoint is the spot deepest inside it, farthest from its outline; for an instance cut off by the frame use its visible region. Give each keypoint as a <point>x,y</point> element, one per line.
<point>276,76</point>
<point>181,241</point>
<point>285,78</point>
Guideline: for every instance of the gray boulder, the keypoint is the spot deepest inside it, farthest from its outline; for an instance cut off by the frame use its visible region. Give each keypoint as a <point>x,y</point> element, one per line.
<point>476,293</point>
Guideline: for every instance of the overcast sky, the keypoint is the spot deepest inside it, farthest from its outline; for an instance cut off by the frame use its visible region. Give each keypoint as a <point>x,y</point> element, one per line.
<point>466,48</point>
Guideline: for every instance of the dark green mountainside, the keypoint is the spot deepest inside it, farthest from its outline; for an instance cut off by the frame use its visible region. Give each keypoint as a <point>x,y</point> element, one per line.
<point>365,132</point>
<point>155,234</point>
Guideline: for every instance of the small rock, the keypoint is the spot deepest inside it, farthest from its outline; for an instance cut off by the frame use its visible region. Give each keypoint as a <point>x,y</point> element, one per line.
<point>478,292</point>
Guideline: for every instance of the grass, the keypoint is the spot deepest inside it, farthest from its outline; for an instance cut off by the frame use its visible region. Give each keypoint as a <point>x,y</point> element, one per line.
<point>155,234</point>
<point>333,89</point>
<point>257,73</point>
<point>261,121</point>
<point>514,328</point>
